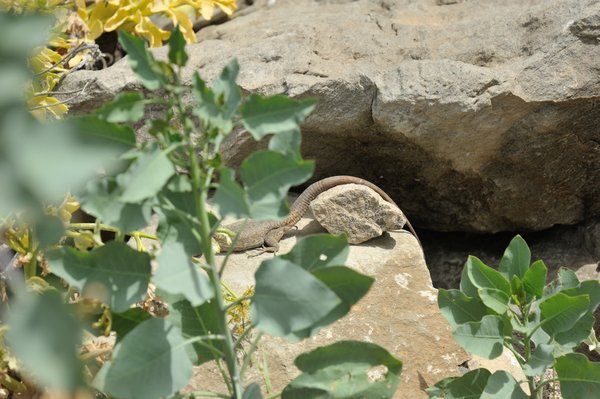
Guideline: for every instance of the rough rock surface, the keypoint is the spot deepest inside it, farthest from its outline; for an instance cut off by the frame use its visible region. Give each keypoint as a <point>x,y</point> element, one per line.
<point>400,313</point>
<point>474,116</point>
<point>357,211</point>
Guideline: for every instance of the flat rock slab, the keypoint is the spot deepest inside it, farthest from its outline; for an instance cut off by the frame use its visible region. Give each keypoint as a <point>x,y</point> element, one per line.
<point>400,313</point>
<point>357,211</point>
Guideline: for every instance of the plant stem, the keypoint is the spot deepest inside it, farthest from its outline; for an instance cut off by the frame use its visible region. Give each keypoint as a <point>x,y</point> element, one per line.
<point>251,350</point>
<point>31,267</point>
<point>199,189</point>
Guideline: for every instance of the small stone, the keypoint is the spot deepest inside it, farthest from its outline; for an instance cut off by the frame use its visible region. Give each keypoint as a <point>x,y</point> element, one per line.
<point>357,211</point>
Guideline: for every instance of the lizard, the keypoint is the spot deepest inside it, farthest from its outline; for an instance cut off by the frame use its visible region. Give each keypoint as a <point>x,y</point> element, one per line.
<point>267,234</point>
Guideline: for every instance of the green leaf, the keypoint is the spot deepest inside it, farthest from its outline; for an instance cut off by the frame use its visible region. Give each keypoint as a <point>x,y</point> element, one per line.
<point>579,378</point>
<point>571,338</point>
<point>13,197</point>
<point>287,142</point>
<point>483,276</point>
<point>177,274</point>
<point>495,299</point>
<point>198,321</point>
<point>272,115</point>
<point>560,312</point>
<point>483,338</point>
<point>146,176</point>
<point>49,230</point>
<point>92,128</point>
<point>21,33</point>
<point>541,359</point>
<point>43,335</point>
<point>344,370</point>
<point>590,288</point>
<point>516,285</point>
<point>142,61</point>
<point>287,298</point>
<point>468,386</point>
<point>60,157</point>
<point>177,54</point>
<point>102,198</point>
<point>149,363</point>
<point>466,286</point>
<point>503,385</point>
<point>349,285</point>
<point>227,92</point>
<point>217,107</point>
<point>534,279</point>
<point>458,308</point>
<point>252,391</point>
<point>208,110</point>
<point>230,198</point>
<point>268,176</point>
<point>516,258</point>
<point>318,251</point>
<point>566,279</point>
<point>114,274</point>
<point>127,106</point>
<point>123,323</point>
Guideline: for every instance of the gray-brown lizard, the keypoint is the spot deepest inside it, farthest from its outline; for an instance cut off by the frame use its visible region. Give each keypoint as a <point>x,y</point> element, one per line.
<point>267,234</point>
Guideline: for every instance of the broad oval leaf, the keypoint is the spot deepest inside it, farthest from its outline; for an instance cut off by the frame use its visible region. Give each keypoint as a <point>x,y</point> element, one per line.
<point>516,258</point>
<point>319,250</point>
<point>177,274</point>
<point>267,176</point>
<point>146,176</point>
<point>503,385</point>
<point>346,369</point>
<point>579,378</point>
<point>574,336</point>
<point>534,279</point>
<point>590,288</point>
<point>123,323</point>
<point>101,199</point>
<point>43,335</point>
<point>468,386</point>
<point>114,274</point>
<point>349,285</point>
<point>458,308</point>
<point>560,312</point>
<point>483,276</point>
<point>66,154</point>
<point>127,106</point>
<point>483,338</point>
<point>142,61</point>
<point>272,115</point>
<point>287,142</point>
<point>495,299</point>
<point>541,359</point>
<point>230,198</point>
<point>466,286</point>
<point>252,391</point>
<point>149,363</point>
<point>198,321</point>
<point>177,54</point>
<point>287,298</point>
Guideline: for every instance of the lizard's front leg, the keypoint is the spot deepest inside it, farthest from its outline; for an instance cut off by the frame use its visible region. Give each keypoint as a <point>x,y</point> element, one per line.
<point>271,241</point>
<point>273,237</point>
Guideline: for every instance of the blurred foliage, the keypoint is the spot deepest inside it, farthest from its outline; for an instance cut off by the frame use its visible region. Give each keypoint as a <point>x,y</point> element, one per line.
<point>79,23</point>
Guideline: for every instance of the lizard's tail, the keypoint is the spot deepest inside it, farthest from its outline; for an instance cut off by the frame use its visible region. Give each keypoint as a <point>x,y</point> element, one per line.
<point>302,203</point>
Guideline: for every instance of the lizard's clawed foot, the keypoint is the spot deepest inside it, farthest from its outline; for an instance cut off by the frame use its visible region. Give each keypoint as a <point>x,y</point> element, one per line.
<point>262,250</point>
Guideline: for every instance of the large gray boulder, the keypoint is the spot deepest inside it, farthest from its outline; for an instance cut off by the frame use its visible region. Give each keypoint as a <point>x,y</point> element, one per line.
<point>473,116</point>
